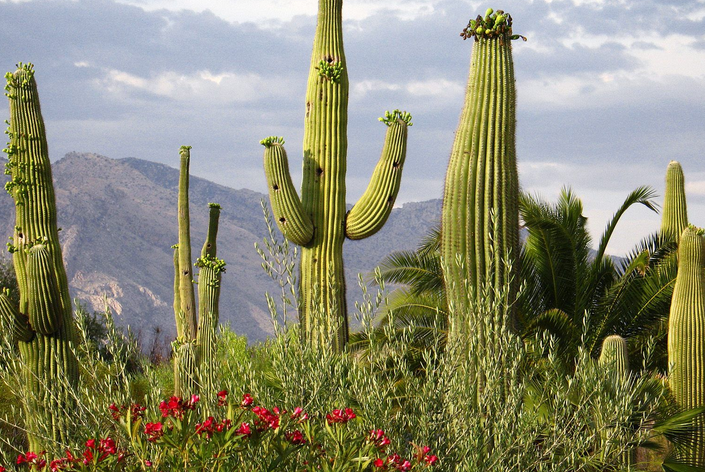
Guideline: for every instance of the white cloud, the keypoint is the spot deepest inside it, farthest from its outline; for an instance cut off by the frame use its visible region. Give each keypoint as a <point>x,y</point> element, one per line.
<point>284,10</point>
<point>202,86</point>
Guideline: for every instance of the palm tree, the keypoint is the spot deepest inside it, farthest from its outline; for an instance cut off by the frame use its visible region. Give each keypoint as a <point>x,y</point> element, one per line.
<point>576,294</point>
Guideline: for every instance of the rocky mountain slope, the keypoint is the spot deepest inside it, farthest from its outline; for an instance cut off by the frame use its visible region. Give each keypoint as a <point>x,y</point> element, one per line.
<point>119,222</point>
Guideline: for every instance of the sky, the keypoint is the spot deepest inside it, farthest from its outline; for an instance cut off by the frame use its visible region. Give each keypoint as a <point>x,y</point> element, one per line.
<point>609,91</point>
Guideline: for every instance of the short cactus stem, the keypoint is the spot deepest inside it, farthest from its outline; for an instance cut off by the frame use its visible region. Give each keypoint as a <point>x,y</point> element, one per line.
<point>43,322</point>
<point>615,355</point>
<point>686,338</point>
<point>317,220</point>
<point>480,219</point>
<point>674,218</point>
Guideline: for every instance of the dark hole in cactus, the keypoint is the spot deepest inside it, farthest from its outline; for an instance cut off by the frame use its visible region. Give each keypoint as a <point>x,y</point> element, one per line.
<point>282,220</point>
<point>319,171</point>
<point>275,187</point>
<point>390,199</point>
<point>186,272</point>
<point>395,164</point>
<point>308,108</point>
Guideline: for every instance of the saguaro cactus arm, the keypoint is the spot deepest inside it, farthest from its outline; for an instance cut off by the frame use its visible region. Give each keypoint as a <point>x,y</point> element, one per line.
<point>44,299</point>
<point>615,355</point>
<point>286,204</point>
<point>372,210</point>
<point>210,245</point>
<point>187,295</point>
<point>18,323</point>
<point>674,218</point>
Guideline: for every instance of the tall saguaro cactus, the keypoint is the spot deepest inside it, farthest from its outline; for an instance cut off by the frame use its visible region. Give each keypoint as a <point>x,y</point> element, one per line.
<point>43,323</point>
<point>480,220</point>
<point>194,348</point>
<point>317,221</point>
<point>686,332</point>
<point>674,218</point>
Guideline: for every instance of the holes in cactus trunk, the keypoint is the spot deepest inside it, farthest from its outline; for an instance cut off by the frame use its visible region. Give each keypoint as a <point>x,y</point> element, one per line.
<point>395,164</point>
<point>319,171</point>
<point>390,200</point>
<point>282,220</point>
<point>308,108</point>
<point>275,187</point>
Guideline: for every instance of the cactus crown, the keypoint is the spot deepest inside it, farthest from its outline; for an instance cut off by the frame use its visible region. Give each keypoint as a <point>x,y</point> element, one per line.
<point>271,141</point>
<point>696,230</point>
<point>212,262</point>
<point>493,25</point>
<point>184,149</point>
<point>396,115</point>
<point>215,205</point>
<point>330,68</point>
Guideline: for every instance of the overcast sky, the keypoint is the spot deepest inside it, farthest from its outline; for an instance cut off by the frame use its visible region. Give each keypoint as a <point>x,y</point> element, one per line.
<point>608,91</point>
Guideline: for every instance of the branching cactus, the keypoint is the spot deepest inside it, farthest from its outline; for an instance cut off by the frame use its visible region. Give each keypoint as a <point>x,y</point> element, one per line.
<point>686,338</point>
<point>674,218</point>
<point>43,322</point>
<point>615,355</point>
<point>317,221</point>
<point>194,348</point>
<point>480,220</point>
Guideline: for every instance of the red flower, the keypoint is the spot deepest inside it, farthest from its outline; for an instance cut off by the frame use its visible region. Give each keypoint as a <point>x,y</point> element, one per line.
<point>107,445</point>
<point>114,411</point>
<point>247,400</point>
<point>266,418</point>
<point>90,444</point>
<point>148,463</point>
<point>340,416</point>
<point>206,427</point>
<point>222,397</point>
<point>295,437</point>
<point>154,431</point>
<point>244,430</point>
<point>379,463</point>
<point>430,460</point>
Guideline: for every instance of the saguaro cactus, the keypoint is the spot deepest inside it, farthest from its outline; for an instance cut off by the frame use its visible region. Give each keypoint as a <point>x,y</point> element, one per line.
<point>317,221</point>
<point>615,355</point>
<point>43,323</point>
<point>674,218</point>
<point>480,220</point>
<point>686,338</point>
<point>194,347</point>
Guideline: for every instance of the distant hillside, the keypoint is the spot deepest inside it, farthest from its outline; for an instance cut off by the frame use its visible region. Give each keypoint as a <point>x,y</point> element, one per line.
<point>119,222</point>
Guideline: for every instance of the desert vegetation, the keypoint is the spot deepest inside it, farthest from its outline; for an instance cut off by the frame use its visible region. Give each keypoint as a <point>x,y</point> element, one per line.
<point>493,352</point>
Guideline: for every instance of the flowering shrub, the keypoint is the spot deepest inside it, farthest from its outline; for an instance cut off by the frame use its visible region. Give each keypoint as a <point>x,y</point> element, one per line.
<point>243,435</point>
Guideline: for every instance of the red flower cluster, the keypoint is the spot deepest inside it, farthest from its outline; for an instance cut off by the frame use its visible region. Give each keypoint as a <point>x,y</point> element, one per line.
<point>209,427</point>
<point>247,400</point>
<point>340,416</point>
<point>222,397</point>
<point>154,431</point>
<point>244,429</point>
<point>32,459</point>
<point>295,437</point>
<point>136,410</point>
<point>395,462</point>
<point>176,406</point>
<point>299,413</point>
<point>378,438</point>
<point>266,419</point>
<point>104,448</point>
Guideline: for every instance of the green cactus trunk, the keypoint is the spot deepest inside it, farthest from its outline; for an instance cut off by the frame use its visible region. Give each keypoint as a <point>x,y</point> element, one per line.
<point>209,275</point>
<point>614,359</point>
<point>43,322</point>
<point>674,218</point>
<point>480,219</point>
<point>686,338</point>
<point>317,221</point>
<point>195,346</point>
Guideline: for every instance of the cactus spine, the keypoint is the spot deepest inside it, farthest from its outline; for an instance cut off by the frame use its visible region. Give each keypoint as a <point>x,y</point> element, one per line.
<point>480,220</point>
<point>674,218</point>
<point>43,323</point>
<point>317,220</point>
<point>686,338</point>
<point>194,348</point>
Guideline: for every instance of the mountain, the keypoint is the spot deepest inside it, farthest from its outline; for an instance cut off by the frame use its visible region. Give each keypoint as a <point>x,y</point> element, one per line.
<point>118,219</point>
